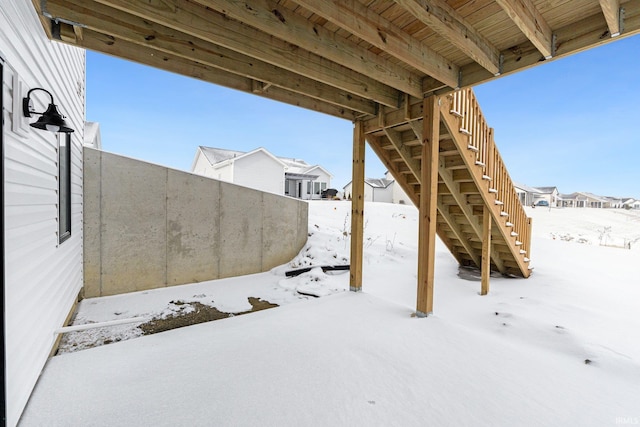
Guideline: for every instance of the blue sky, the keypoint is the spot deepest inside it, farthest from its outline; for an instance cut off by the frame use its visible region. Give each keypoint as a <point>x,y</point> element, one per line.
<point>572,123</point>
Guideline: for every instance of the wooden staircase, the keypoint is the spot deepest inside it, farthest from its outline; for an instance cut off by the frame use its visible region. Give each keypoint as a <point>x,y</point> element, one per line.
<point>473,182</point>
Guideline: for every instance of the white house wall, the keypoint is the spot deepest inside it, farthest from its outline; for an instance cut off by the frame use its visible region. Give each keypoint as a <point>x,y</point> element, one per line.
<point>348,192</point>
<point>383,195</point>
<point>223,172</point>
<point>399,196</point>
<point>259,171</point>
<point>202,166</point>
<point>42,278</point>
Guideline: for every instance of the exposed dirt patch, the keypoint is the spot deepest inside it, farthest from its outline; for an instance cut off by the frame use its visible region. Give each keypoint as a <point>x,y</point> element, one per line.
<point>196,312</point>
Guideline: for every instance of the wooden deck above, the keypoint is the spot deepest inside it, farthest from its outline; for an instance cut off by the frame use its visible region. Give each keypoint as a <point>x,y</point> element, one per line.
<point>343,58</point>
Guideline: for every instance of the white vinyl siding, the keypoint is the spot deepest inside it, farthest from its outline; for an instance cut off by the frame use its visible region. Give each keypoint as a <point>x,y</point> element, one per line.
<point>372,194</point>
<point>42,277</point>
<point>223,172</point>
<point>348,192</point>
<point>259,171</point>
<point>202,166</point>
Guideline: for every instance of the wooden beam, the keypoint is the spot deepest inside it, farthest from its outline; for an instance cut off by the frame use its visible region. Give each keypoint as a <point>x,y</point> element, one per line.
<point>486,251</point>
<point>120,48</point>
<point>447,22</point>
<point>197,21</point>
<point>404,151</point>
<point>274,19</point>
<point>131,28</point>
<point>361,21</point>
<point>427,220</point>
<point>531,22</point>
<point>611,11</point>
<point>46,22</point>
<point>376,143</point>
<point>396,118</point>
<point>357,208</point>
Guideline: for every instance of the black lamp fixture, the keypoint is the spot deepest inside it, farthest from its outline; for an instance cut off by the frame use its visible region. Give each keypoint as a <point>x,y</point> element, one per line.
<point>50,120</point>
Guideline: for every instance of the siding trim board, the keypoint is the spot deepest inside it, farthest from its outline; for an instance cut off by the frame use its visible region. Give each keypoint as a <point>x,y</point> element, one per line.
<point>4,320</point>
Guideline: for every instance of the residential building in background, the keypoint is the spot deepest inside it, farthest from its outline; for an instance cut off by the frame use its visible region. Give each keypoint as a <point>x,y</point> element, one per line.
<point>527,195</point>
<point>386,190</point>
<point>261,170</point>
<point>550,194</point>
<point>584,200</point>
<point>375,190</point>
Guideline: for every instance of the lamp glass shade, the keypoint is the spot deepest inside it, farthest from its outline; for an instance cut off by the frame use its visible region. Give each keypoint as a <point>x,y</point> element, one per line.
<point>52,119</point>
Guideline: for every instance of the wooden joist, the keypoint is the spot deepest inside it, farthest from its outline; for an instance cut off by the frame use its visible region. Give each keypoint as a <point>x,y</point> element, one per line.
<point>359,20</point>
<point>201,23</point>
<point>438,15</point>
<point>165,40</point>
<point>342,58</point>
<point>127,50</point>
<point>531,22</point>
<point>611,11</point>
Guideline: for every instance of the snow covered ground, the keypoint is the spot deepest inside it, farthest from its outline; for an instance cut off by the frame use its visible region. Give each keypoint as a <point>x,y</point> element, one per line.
<point>559,348</point>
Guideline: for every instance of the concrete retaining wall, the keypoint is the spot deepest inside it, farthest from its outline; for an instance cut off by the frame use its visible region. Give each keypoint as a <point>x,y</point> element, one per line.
<point>147,226</point>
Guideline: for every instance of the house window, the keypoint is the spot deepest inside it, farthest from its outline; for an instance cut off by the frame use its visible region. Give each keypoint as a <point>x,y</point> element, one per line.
<point>64,186</point>
<point>318,187</point>
<point>308,187</point>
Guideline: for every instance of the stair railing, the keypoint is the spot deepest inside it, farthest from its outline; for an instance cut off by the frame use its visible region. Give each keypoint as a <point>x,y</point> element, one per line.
<point>465,106</point>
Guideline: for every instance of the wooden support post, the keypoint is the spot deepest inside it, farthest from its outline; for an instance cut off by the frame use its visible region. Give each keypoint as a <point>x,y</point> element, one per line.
<point>357,208</point>
<point>428,206</point>
<point>486,250</point>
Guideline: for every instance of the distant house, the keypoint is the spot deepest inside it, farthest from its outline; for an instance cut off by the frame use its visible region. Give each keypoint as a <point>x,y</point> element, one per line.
<point>261,170</point>
<point>631,204</point>
<point>385,190</point>
<point>614,202</point>
<point>398,194</point>
<point>92,136</point>
<point>375,190</point>
<point>550,194</point>
<point>584,200</point>
<point>526,194</point>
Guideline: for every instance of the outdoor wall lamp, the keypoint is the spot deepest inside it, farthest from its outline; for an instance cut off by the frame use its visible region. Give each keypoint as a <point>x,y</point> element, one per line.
<point>50,120</point>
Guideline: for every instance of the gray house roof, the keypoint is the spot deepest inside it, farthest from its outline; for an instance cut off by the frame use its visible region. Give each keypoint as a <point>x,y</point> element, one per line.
<point>593,196</point>
<point>374,182</point>
<point>547,190</point>
<point>378,183</point>
<point>526,188</point>
<point>582,195</point>
<point>294,167</point>
<point>218,155</point>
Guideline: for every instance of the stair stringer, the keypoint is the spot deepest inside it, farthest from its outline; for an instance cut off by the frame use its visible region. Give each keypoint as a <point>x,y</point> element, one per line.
<point>460,139</point>
<point>376,144</point>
